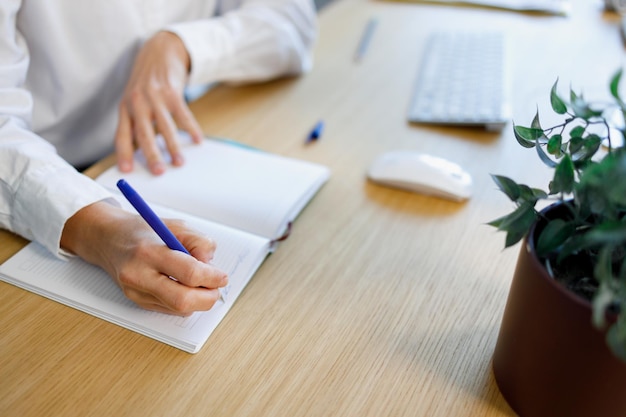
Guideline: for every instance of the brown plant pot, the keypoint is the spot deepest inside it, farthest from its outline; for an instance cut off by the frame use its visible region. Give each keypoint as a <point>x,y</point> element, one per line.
<point>549,360</point>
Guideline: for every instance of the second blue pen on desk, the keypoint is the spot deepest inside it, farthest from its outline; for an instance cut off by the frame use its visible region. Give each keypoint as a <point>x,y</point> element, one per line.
<point>150,216</point>
<point>316,132</point>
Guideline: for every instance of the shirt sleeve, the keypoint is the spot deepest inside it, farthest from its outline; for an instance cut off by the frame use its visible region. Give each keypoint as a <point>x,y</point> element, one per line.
<point>39,191</point>
<point>250,41</point>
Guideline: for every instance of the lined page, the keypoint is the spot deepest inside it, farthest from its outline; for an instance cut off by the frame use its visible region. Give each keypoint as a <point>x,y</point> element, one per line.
<point>90,289</point>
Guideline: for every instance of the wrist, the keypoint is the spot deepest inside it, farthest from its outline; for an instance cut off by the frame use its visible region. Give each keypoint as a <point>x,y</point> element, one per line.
<point>178,47</point>
<point>80,229</point>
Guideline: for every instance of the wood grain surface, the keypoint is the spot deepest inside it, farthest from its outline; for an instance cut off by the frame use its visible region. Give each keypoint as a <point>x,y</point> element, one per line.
<point>381,302</point>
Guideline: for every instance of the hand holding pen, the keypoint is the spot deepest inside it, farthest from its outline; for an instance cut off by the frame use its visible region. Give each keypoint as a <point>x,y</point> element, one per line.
<point>196,277</point>
<point>129,250</point>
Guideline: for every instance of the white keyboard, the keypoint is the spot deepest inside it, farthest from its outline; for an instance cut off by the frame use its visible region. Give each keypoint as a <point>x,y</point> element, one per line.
<point>462,81</point>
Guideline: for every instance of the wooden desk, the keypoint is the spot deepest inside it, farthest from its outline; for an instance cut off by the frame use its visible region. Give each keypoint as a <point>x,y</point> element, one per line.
<point>382,302</point>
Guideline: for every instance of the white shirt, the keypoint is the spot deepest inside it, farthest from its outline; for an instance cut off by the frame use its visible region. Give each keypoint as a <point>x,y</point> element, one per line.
<point>64,65</point>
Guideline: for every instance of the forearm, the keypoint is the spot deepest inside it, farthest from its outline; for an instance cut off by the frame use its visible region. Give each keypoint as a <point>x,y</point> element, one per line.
<point>39,191</point>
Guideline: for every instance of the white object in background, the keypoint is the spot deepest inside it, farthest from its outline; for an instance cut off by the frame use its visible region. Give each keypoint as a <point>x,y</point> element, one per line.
<point>421,173</point>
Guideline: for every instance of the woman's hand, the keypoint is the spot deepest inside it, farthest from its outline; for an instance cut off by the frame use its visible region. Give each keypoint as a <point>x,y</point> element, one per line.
<point>153,101</point>
<point>131,252</point>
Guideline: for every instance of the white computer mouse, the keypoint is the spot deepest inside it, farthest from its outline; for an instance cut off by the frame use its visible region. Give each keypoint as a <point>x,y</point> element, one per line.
<point>421,173</point>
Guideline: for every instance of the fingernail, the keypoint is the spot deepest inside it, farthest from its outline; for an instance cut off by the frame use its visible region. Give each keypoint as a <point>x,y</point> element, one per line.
<point>197,137</point>
<point>125,166</point>
<point>157,168</point>
<point>178,160</point>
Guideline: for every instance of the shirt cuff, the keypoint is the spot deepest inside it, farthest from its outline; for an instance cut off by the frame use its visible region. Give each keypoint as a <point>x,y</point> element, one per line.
<point>208,50</point>
<point>49,195</point>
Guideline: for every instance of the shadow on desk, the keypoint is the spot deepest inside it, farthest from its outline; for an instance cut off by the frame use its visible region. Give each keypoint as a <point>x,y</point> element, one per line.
<point>252,91</point>
<point>410,202</point>
<point>468,133</point>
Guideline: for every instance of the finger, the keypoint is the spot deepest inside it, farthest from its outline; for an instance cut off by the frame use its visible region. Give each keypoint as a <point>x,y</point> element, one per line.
<point>179,298</point>
<point>150,302</point>
<point>192,272</point>
<point>187,122</point>
<point>167,128</point>
<point>150,284</point>
<point>124,149</point>
<point>161,309</point>
<point>183,267</point>
<point>145,300</point>
<point>199,245</point>
<point>145,137</point>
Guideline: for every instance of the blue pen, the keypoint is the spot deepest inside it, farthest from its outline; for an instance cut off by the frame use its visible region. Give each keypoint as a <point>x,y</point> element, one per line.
<point>150,216</point>
<point>316,132</point>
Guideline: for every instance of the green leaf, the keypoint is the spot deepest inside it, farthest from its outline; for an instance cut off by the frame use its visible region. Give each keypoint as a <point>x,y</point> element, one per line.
<point>497,223</point>
<point>539,194</point>
<point>571,246</point>
<point>557,104</point>
<point>544,157</point>
<point>590,146</point>
<point>603,270</point>
<point>553,236</point>
<point>577,132</point>
<point>575,144</point>
<point>525,136</point>
<point>581,109</point>
<point>601,301</point>
<point>554,145</point>
<point>507,186</point>
<point>563,181</point>
<point>616,340</point>
<point>593,141</point>
<point>535,124</point>
<point>615,84</point>
<point>607,233</point>
<point>604,182</point>
<point>518,225</point>
<point>530,195</point>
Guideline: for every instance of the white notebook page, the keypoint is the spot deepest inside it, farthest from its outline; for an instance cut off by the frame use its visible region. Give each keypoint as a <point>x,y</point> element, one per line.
<point>90,289</point>
<point>251,190</point>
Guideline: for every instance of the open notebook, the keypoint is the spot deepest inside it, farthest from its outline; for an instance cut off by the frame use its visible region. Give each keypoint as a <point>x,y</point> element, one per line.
<point>553,7</point>
<point>242,198</point>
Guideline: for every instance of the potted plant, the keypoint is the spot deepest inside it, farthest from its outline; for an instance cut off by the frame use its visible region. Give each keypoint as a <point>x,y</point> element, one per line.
<point>561,350</point>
